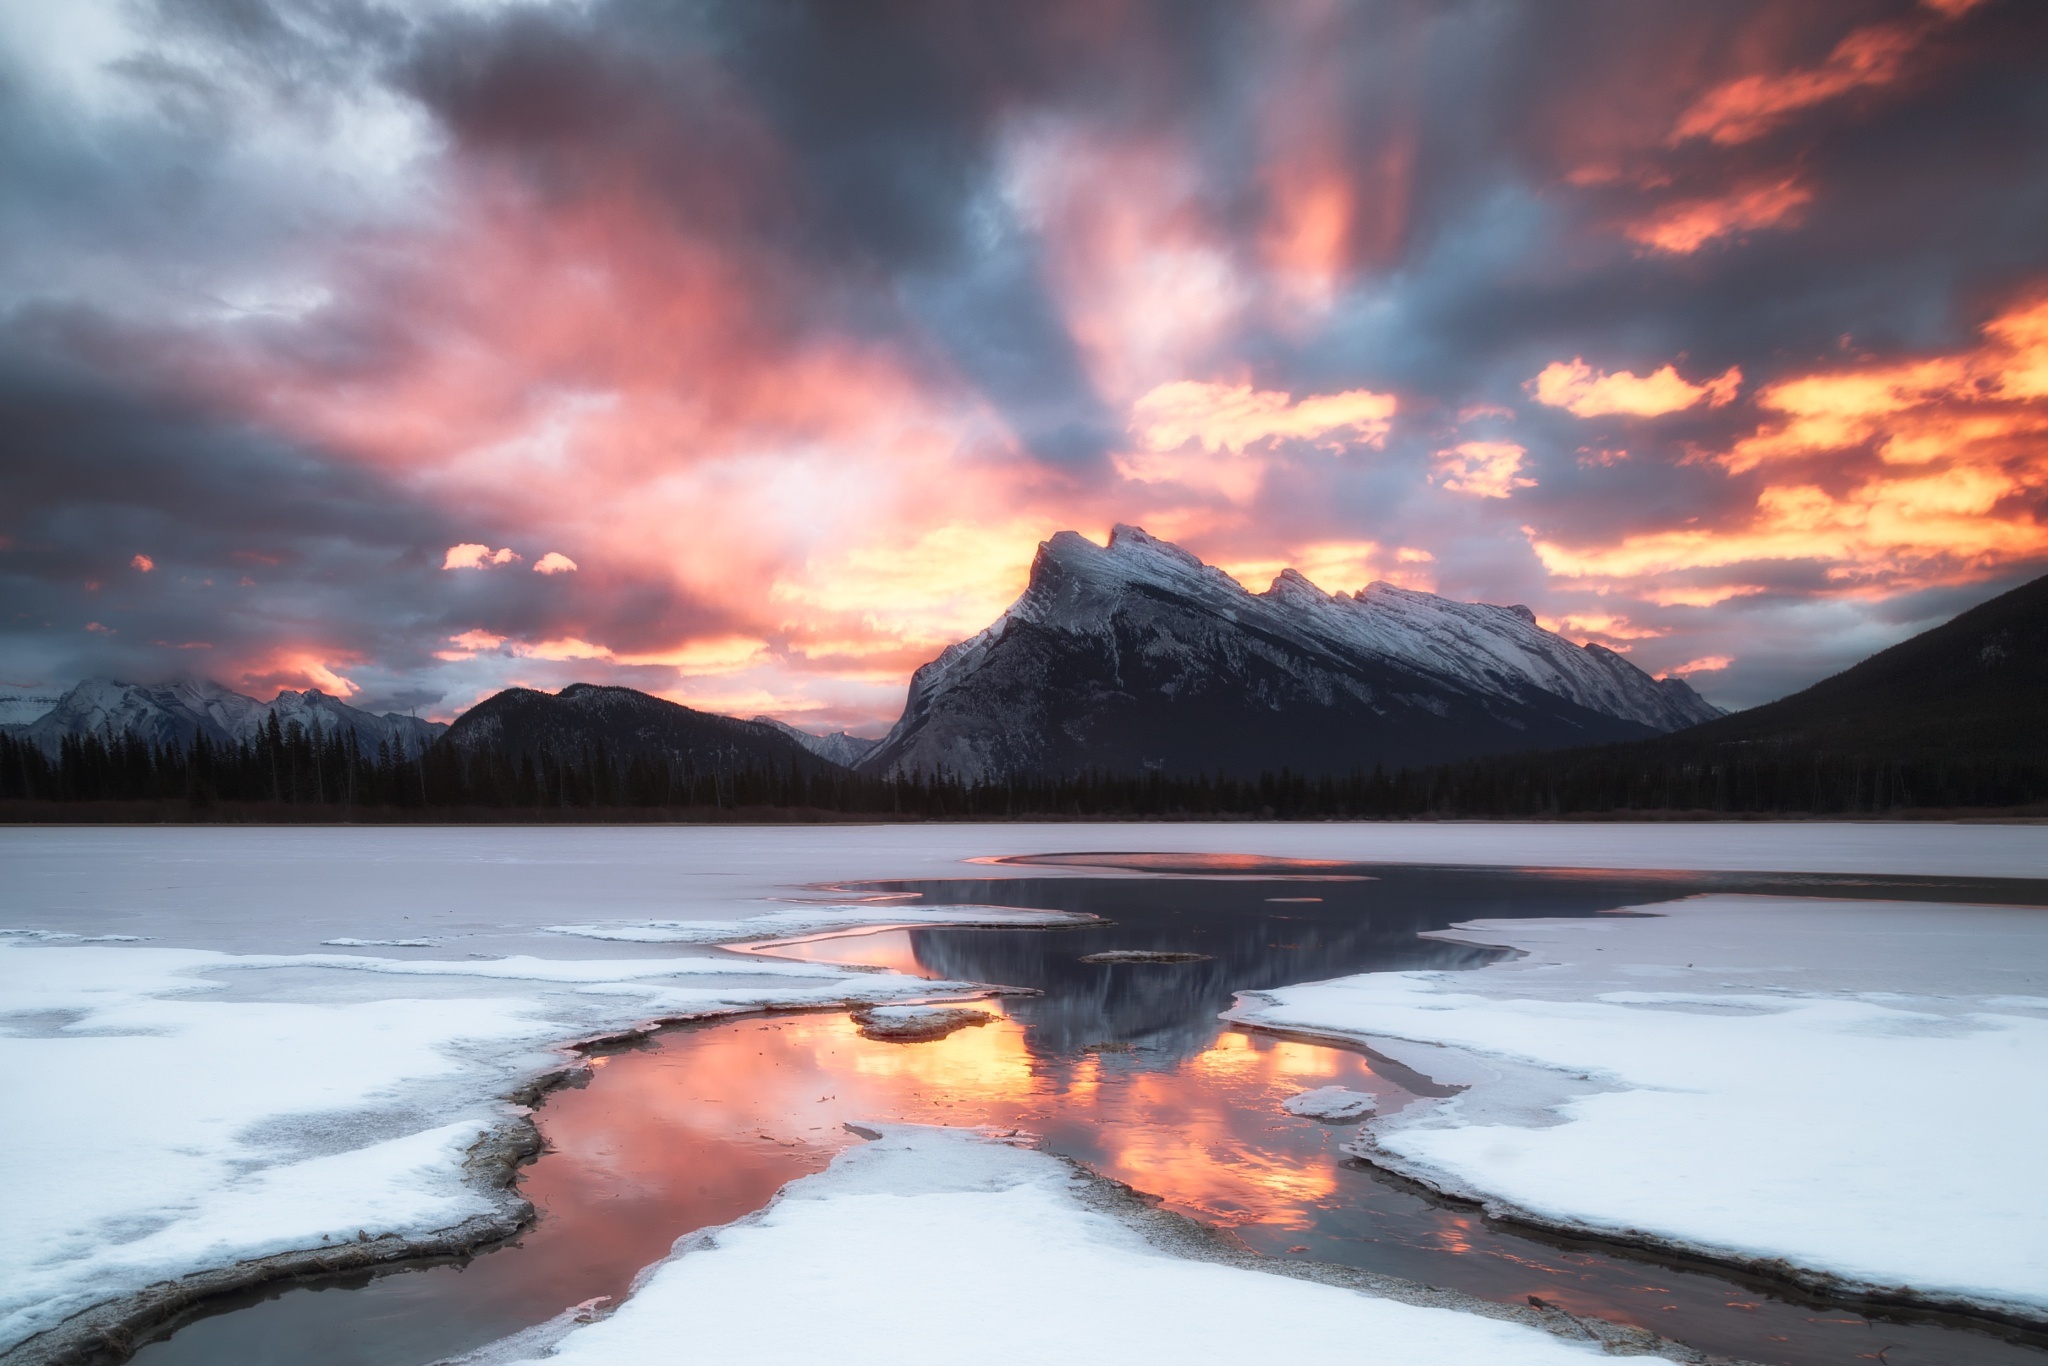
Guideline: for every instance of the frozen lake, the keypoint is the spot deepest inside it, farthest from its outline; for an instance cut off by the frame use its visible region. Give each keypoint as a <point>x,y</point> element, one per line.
<point>1122,1066</point>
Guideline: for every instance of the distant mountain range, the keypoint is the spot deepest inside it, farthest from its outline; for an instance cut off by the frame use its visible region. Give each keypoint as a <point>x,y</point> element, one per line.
<point>1138,657</point>
<point>178,713</point>
<point>840,748</point>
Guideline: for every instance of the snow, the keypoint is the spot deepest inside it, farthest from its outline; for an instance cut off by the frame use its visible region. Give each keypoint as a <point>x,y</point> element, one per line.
<point>927,1245</point>
<point>1851,1087</point>
<point>1332,1104</point>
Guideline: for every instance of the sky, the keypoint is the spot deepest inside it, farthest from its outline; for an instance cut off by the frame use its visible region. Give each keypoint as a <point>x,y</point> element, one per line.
<point>744,352</point>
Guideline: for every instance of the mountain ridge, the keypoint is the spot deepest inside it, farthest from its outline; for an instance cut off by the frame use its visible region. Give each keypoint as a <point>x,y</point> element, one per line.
<point>1137,656</point>
<point>179,712</point>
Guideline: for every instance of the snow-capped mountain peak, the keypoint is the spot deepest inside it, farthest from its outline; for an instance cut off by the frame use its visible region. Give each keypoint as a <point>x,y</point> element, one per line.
<point>1132,654</point>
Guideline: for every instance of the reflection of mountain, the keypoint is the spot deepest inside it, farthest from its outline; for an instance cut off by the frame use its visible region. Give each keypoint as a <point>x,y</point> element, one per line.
<point>1254,943</point>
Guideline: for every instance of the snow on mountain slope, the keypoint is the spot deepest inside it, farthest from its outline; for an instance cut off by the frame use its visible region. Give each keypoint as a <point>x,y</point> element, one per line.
<point>21,703</point>
<point>1136,656</point>
<point>839,747</point>
<point>176,713</point>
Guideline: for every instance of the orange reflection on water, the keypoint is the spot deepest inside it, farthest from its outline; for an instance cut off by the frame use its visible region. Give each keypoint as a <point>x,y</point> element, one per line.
<point>742,1093</point>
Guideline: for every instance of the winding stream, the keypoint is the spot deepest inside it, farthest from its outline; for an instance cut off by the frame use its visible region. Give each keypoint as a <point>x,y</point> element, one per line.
<point>1122,1066</point>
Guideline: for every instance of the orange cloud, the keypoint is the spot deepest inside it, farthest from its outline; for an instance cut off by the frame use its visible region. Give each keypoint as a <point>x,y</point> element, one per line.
<point>1484,469</point>
<point>1604,625</point>
<point>470,555</point>
<point>1750,106</point>
<point>144,563</point>
<point>469,644</point>
<point>554,562</point>
<point>1688,225</point>
<point>1585,392</point>
<point>926,590</point>
<point>1980,407</point>
<point>1232,417</point>
<point>1889,474</point>
<point>1704,664</point>
<point>299,669</point>
<point>1336,566</point>
<point>1201,435</point>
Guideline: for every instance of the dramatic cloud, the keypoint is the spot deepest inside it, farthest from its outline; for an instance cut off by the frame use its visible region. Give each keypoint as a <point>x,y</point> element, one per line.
<point>744,353</point>
<point>1750,106</point>
<point>1581,390</point>
<point>1886,474</point>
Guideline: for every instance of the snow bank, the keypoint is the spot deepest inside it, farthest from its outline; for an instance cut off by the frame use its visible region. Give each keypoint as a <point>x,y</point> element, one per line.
<point>1851,1087</point>
<point>928,1244</point>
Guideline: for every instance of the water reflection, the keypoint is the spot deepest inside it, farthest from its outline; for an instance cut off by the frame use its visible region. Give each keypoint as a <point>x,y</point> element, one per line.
<point>1122,1066</point>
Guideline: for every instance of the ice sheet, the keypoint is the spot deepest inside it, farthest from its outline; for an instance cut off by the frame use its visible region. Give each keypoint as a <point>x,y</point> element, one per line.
<point>491,889</point>
<point>164,1122</point>
<point>928,1245</point>
<point>1847,1086</point>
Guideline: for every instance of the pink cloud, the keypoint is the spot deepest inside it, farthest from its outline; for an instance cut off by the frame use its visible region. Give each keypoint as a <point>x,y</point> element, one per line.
<point>554,562</point>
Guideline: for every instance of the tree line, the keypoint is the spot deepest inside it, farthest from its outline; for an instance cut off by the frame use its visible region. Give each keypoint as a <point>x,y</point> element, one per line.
<point>286,772</point>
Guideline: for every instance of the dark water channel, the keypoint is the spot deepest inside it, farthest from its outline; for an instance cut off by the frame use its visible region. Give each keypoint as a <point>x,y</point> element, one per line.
<point>1124,1067</point>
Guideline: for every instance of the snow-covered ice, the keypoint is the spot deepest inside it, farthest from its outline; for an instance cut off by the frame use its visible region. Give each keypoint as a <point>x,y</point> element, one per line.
<point>1333,1104</point>
<point>916,1023</point>
<point>1853,1087</point>
<point>929,1245</point>
<point>229,1090</point>
<point>174,1110</point>
<point>808,920</point>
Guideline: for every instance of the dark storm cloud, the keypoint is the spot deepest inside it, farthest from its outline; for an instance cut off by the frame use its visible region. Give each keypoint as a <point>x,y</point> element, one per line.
<point>1509,176</point>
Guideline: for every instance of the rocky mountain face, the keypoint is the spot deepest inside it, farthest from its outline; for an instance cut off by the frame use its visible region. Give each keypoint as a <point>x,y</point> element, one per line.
<point>1138,657</point>
<point>177,713</point>
<point>839,747</point>
<point>584,717</point>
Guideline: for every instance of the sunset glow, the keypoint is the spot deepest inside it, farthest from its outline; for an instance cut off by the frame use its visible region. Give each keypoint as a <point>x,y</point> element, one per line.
<point>566,342</point>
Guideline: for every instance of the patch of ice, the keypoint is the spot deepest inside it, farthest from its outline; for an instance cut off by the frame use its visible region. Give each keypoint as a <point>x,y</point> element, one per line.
<point>931,1242</point>
<point>1332,1104</point>
<point>1753,1127</point>
<point>346,943</point>
<point>916,1024</point>
<point>807,920</point>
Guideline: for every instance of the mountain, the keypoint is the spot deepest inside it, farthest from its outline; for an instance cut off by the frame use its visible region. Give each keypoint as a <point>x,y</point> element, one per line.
<point>1136,656</point>
<point>625,723</point>
<point>23,703</point>
<point>839,747</point>
<point>176,713</point>
<point>1976,687</point>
